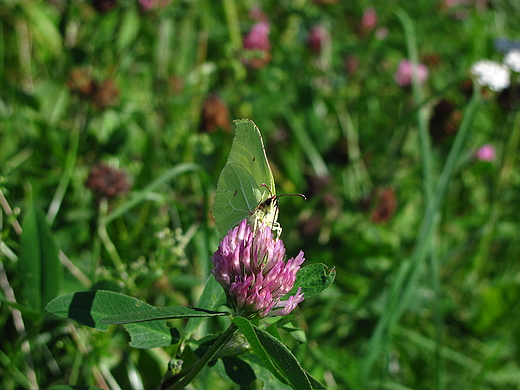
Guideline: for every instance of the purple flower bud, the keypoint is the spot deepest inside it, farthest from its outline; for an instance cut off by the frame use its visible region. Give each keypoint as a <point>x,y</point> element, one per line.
<point>252,270</point>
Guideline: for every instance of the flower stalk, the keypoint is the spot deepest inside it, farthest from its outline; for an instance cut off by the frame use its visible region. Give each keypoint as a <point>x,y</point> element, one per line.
<point>191,372</point>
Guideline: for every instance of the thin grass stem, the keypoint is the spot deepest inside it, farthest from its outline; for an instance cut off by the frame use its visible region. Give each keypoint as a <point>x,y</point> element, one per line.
<point>403,288</point>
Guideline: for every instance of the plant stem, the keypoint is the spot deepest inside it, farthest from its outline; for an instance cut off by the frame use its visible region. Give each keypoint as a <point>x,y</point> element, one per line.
<point>20,328</point>
<point>230,9</point>
<point>191,372</point>
<point>68,171</point>
<point>109,245</point>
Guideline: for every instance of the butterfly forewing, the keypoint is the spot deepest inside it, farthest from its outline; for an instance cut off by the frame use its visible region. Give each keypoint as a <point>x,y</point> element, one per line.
<point>248,150</point>
<point>246,182</point>
<point>236,198</point>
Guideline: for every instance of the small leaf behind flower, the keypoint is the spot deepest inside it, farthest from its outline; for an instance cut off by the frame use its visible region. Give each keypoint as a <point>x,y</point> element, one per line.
<point>160,313</point>
<point>313,279</point>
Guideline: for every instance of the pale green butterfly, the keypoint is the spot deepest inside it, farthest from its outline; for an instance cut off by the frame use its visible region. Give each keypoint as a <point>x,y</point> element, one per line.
<point>245,187</point>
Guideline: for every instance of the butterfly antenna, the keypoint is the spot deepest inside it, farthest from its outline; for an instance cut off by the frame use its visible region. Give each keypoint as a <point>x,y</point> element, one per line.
<point>300,195</point>
<point>268,189</point>
<point>279,196</point>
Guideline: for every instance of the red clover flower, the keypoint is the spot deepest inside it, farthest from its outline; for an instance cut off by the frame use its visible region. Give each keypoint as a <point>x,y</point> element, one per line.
<point>256,45</point>
<point>369,20</point>
<point>258,37</point>
<point>251,269</point>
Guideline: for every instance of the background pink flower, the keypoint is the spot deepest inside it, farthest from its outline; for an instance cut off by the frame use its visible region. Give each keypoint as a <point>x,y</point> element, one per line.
<point>317,37</point>
<point>486,152</point>
<point>369,20</point>
<point>404,73</point>
<point>258,37</point>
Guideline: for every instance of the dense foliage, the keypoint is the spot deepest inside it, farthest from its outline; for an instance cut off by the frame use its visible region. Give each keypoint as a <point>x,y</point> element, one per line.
<point>116,119</point>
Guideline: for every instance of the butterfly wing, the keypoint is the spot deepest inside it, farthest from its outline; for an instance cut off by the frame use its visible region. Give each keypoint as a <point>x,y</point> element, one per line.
<point>236,198</point>
<point>239,187</point>
<point>248,150</point>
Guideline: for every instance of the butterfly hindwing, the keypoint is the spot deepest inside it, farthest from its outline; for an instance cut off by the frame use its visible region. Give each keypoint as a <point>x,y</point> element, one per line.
<point>248,150</point>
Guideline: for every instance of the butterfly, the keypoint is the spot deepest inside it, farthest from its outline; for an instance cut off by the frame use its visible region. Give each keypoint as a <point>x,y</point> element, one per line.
<point>245,187</point>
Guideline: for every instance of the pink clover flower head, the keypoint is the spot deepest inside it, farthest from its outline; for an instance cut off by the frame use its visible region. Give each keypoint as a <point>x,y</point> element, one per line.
<point>486,153</point>
<point>252,270</point>
<point>404,74</point>
<point>258,37</point>
<point>369,20</point>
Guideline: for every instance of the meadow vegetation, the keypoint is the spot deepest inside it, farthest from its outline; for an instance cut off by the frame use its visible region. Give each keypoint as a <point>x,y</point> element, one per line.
<point>116,120</point>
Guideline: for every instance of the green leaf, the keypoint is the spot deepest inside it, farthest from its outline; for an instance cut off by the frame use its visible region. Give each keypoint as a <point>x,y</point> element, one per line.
<point>248,331</point>
<point>160,313</point>
<point>313,279</point>
<point>235,369</point>
<point>262,373</point>
<point>315,384</point>
<point>276,357</point>
<point>67,387</point>
<point>140,196</point>
<point>89,307</point>
<point>128,30</point>
<point>211,298</point>
<point>284,360</point>
<point>42,26</point>
<point>39,262</point>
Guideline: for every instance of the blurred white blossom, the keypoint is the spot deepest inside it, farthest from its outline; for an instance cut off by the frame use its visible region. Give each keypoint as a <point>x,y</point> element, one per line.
<point>491,74</point>
<point>512,60</point>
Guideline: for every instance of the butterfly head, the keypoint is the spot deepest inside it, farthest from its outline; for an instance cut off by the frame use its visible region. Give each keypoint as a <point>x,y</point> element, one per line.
<point>267,212</point>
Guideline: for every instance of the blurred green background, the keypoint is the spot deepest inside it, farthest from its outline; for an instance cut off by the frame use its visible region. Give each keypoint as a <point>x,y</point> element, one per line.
<point>116,119</point>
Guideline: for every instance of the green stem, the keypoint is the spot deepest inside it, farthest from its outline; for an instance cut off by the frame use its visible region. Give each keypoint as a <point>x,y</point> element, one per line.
<point>403,288</point>
<point>503,182</point>
<point>235,37</point>
<point>191,372</point>
<point>70,163</point>
<point>354,153</point>
<point>422,120</point>
<point>109,245</point>
<point>427,172</point>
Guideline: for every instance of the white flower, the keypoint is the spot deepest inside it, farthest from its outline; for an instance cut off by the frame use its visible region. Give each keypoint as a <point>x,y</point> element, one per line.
<point>512,60</point>
<point>491,74</point>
